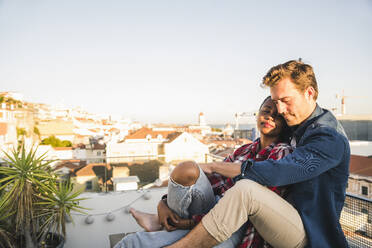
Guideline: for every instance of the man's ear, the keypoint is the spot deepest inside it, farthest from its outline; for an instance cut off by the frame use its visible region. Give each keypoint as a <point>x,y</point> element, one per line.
<point>310,93</point>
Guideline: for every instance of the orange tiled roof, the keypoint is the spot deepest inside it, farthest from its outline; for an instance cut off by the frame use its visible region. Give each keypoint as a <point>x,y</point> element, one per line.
<point>72,166</point>
<point>88,169</point>
<point>143,132</point>
<point>62,148</point>
<point>361,165</point>
<point>113,129</point>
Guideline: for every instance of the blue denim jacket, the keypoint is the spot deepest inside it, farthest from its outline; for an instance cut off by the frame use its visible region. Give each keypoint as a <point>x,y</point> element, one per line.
<point>318,171</point>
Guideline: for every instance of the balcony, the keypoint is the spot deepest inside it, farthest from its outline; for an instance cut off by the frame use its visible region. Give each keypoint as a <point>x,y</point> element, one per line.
<point>108,217</point>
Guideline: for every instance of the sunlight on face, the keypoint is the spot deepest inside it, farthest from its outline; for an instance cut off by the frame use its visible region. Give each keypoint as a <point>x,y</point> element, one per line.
<point>295,106</point>
<point>269,122</point>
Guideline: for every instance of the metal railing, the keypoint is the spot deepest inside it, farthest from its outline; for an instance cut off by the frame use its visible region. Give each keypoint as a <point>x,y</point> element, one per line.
<point>356,219</point>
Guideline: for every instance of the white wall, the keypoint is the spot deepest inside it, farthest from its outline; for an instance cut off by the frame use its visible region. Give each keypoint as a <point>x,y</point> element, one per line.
<point>80,154</point>
<point>185,147</point>
<point>64,154</point>
<point>130,149</point>
<point>126,186</point>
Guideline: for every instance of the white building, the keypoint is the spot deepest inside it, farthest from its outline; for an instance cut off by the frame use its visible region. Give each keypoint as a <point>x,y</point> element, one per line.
<point>147,144</point>
<point>63,153</point>
<point>95,154</point>
<point>185,147</point>
<point>141,145</point>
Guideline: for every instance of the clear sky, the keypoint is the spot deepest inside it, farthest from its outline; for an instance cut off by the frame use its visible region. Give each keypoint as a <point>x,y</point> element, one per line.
<point>166,61</point>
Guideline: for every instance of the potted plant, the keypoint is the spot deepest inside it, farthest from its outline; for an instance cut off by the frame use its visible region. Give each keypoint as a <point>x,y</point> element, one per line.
<point>35,202</point>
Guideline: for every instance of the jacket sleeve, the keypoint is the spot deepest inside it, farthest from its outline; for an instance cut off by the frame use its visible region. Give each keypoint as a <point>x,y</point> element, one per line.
<point>321,149</point>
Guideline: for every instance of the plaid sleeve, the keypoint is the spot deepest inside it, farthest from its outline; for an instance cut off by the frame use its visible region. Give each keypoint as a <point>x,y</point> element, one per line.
<point>280,151</point>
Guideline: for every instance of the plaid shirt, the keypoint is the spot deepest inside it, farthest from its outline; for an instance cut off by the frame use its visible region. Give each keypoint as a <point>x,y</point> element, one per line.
<point>221,184</point>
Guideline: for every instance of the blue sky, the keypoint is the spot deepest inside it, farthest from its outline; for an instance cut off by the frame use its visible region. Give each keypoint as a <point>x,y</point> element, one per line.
<point>166,61</point>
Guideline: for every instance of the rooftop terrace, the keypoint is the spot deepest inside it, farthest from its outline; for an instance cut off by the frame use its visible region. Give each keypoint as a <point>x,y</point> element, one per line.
<point>109,218</point>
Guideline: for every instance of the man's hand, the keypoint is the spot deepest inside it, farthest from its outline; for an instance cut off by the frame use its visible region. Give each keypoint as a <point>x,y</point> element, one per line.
<point>166,215</point>
<point>186,224</point>
<point>206,167</point>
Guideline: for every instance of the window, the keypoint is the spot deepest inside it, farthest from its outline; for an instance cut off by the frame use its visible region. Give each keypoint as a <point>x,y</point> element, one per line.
<point>88,185</point>
<point>364,211</point>
<point>364,190</point>
<point>98,153</point>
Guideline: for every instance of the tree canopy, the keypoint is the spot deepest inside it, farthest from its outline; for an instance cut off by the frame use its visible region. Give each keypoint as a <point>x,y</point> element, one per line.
<point>55,142</point>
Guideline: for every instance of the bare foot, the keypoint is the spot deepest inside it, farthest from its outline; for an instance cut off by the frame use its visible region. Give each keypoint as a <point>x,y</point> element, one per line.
<point>149,222</point>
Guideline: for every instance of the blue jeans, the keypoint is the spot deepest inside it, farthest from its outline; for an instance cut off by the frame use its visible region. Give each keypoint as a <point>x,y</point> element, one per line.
<point>184,201</point>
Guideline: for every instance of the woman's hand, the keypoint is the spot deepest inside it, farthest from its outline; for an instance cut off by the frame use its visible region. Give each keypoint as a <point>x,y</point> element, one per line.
<point>206,167</point>
<point>167,216</point>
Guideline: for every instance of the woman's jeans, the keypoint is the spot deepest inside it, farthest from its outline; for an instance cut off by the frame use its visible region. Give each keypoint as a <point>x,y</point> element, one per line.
<point>184,201</point>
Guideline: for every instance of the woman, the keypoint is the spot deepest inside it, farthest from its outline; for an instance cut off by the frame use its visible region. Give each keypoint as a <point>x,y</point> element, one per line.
<point>192,193</point>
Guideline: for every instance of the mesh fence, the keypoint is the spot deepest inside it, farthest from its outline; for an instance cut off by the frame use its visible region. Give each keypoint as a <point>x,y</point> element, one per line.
<point>356,219</point>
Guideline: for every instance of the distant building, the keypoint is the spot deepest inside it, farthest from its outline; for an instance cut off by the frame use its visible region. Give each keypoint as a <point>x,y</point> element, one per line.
<point>63,130</point>
<point>93,177</point>
<point>147,143</point>
<point>65,169</point>
<point>360,179</point>
<point>358,217</point>
<point>16,122</point>
<point>8,130</point>
<point>228,130</point>
<point>143,145</point>
<point>203,128</point>
<point>183,146</point>
<point>243,134</point>
<point>95,153</point>
<point>63,153</point>
<point>357,127</point>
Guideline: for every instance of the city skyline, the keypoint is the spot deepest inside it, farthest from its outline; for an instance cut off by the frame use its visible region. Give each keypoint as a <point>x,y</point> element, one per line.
<point>167,61</point>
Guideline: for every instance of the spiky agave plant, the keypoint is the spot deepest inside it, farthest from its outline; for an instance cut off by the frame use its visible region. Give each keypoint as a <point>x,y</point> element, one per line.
<point>22,182</point>
<point>6,239</point>
<point>58,200</point>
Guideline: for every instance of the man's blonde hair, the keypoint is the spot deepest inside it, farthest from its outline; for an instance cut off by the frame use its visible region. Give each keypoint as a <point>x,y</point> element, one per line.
<point>301,74</point>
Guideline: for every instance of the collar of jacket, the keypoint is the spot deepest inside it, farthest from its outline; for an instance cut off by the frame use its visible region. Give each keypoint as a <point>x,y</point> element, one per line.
<point>299,130</point>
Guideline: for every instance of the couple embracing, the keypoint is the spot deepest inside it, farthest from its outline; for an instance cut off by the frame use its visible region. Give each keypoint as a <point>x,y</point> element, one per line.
<point>286,189</point>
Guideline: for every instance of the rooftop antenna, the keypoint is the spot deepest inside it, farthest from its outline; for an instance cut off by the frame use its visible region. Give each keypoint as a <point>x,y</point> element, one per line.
<point>300,60</point>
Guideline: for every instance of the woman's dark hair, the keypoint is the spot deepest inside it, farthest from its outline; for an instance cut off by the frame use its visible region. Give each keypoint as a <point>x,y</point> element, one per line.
<point>267,98</point>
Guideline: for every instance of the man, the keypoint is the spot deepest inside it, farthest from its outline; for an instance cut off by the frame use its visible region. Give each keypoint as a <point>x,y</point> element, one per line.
<point>317,171</point>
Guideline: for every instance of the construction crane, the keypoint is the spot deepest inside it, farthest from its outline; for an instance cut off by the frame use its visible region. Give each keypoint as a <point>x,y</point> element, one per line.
<point>243,115</point>
<point>343,104</point>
